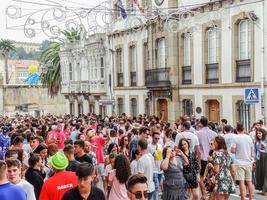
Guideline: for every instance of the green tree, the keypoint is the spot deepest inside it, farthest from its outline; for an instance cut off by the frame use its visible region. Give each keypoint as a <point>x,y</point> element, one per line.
<point>50,60</point>
<point>6,46</point>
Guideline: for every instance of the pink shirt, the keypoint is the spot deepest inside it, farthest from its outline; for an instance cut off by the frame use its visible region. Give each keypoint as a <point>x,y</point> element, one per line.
<point>118,190</point>
<point>98,142</point>
<point>56,137</point>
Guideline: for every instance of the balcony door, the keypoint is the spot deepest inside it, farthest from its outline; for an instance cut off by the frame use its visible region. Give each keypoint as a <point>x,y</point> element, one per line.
<point>213,110</point>
<point>162,109</point>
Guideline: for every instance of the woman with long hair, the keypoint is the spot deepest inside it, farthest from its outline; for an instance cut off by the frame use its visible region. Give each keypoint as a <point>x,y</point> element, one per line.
<point>124,149</point>
<point>223,168</point>
<point>261,160</point>
<point>191,171</point>
<point>174,184</point>
<point>119,177</point>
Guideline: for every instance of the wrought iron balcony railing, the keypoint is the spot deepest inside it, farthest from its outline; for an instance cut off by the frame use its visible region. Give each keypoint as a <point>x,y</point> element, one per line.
<point>157,77</point>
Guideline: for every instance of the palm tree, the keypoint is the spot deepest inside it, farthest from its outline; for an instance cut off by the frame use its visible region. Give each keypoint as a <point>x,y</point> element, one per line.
<point>6,46</point>
<point>51,76</point>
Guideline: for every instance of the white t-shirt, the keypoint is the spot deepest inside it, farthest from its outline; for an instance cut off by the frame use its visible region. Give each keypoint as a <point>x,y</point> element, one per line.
<point>133,167</point>
<point>28,188</point>
<point>145,166</point>
<point>229,140</point>
<point>151,149</point>
<point>243,144</point>
<point>191,137</point>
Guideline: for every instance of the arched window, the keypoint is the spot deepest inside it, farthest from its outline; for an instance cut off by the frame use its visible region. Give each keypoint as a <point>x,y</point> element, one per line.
<point>187,107</point>
<point>243,114</point>
<point>120,106</point>
<point>244,40</point>
<point>134,107</point>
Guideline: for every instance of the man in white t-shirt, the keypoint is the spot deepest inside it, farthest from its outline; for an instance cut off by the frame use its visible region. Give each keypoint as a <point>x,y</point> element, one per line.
<point>229,138</point>
<point>145,165</point>
<point>191,137</point>
<point>243,149</point>
<point>155,149</point>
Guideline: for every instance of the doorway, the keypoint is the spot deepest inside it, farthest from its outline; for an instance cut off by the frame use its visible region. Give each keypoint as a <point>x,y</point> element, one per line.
<point>162,110</point>
<point>213,110</point>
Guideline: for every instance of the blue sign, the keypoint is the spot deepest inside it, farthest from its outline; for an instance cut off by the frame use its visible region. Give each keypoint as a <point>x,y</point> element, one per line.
<point>252,95</point>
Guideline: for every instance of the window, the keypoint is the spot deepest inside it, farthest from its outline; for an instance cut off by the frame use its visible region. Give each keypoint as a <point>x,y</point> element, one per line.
<point>213,45</point>
<point>145,56</point>
<point>187,49</point>
<point>120,106</point>
<point>186,75</point>
<point>187,107</point>
<point>244,40</point>
<point>134,107</point>
<point>132,53</point>
<point>70,72</point>
<point>78,68</point>
<point>119,60</point>
<point>117,11</point>
<point>72,108</point>
<point>244,114</point>
<point>161,58</point>
<point>212,75</point>
<point>80,108</point>
<point>147,107</point>
<point>102,67</point>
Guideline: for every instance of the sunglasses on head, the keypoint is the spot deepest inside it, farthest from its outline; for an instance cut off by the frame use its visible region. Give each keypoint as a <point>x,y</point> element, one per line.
<point>139,194</point>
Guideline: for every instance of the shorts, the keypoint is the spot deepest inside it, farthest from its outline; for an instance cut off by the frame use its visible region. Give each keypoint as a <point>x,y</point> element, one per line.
<point>203,167</point>
<point>243,172</point>
<point>101,169</point>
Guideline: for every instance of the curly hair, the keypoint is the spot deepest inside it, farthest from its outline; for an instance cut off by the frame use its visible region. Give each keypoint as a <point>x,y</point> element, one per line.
<point>123,170</point>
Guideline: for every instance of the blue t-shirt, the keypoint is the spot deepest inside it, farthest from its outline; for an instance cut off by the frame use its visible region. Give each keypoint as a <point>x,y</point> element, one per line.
<point>9,191</point>
<point>4,144</point>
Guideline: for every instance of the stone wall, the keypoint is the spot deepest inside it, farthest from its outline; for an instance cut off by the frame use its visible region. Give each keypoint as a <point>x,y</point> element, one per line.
<point>31,100</point>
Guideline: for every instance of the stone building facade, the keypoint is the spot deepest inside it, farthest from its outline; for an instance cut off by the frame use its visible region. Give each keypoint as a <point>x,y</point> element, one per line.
<point>201,69</point>
<point>86,76</point>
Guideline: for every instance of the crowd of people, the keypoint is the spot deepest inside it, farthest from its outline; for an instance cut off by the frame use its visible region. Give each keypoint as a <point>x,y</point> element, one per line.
<point>123,158</point>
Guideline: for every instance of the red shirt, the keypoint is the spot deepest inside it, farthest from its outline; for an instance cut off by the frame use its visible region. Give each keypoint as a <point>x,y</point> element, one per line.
<point>98,142</point>
<point>55,187</point>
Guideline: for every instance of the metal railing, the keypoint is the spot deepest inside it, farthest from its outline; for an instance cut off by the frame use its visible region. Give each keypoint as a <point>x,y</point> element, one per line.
<point>157,77</point>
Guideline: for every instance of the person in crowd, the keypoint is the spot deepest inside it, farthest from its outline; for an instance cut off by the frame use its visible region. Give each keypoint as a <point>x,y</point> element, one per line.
<point>137,188</point>
<point>113,148</point>
<point>244,157</point>
<point>62,181</point>
<point>9,191</point>
<point>56,136</point>
<point>191,171</point>
<point>74,133</point>
<point>145,165</point>
<point>66,130</point>
<point>98,142</point>
<point>34,142</point>
<point>52,149</point>
<point>222,165</point>
<point>205,135</point>
<point>174,183</point>
<point>35,174</point>
<point>191,138</point>
<point>108,169</point>
<point>123,148</point>
<point>17,143</point>
<point>143,134</point>
<point>85,190</point>
<point>42,150</point>
<point>119,177</point>
<point>155,149</point>
<point>69,153</point>
<point>14,176</point>
<point>261,160</point>
<point>229,138</point>
<point>80,155</point>
<point>133,165</point>
<point>89,152</point>
<point>4,141</point>
<point>168,140</point>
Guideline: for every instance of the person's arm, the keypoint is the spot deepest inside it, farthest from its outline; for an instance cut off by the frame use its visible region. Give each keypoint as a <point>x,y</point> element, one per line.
<point>165,163</point>
<point>183,156</point>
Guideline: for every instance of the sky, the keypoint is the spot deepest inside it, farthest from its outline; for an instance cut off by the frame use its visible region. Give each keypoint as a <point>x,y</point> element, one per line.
<point>7,24</point>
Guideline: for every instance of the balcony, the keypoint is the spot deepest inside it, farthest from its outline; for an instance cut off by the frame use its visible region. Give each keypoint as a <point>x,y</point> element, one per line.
<point>243,73</point>
<point>157,78</point>
<point>133,78</point>
<point>186,75</point>
<point>212,71</point>
<point>120,79</point>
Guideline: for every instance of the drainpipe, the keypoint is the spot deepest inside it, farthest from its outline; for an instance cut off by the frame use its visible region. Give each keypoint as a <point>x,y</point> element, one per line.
<point>262,65</point>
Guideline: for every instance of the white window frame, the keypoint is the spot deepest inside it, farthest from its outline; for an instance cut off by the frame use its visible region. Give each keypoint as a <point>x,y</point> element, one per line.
<point>133,58</point>
<point>213,45</point>
<point>161,53</point>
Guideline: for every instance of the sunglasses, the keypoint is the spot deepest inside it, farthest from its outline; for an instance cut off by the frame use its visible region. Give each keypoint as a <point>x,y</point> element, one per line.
<point>139,194</point>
